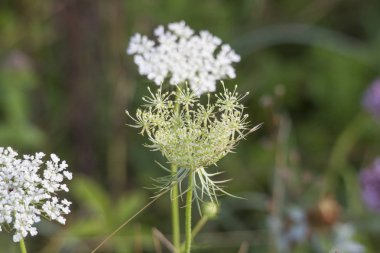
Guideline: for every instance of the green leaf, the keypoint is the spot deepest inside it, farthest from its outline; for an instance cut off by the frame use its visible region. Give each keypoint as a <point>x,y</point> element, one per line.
<point>88,193</point>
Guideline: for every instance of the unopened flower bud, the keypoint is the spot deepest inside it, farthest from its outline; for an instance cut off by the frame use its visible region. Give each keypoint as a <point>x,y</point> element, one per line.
<point>210,210</point>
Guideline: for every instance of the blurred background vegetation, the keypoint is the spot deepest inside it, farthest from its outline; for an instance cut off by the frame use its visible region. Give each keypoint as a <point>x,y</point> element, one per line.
<point>65,81</point>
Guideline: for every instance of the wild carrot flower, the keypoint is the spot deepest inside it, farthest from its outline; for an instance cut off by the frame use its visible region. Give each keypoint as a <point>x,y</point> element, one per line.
<point>370,185</point>
<point>371,99</point>
<point>181,55</point>
<point>191,135</point>
<point>28,191</point>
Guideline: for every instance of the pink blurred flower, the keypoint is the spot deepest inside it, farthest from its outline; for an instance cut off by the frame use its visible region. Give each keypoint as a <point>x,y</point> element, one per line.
<point>371,99</point>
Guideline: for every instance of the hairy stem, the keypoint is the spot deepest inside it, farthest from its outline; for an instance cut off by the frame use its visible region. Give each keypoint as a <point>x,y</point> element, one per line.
<point>197,229</point>
<point>189,200</point>
<point>175,213</point>
<point>22,246</point>
<point>175,205</point>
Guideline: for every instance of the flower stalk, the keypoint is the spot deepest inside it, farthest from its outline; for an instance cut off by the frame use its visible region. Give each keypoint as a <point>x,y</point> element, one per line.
<point>175,199</point>
<point>175,212</point>
<point>189,200</point>
<point>197,228</point>
<point>22,246</point>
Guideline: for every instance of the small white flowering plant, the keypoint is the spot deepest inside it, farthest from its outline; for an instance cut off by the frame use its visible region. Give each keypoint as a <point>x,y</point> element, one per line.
<point>192,136</point>
<point>180,55</point>
<point>28,191</point>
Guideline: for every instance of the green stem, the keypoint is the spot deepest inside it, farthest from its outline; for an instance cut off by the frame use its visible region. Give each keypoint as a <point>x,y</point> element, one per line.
<point>343,145</point>
<point>22,246</point>
<point>197,229</point>
<point>281,163</point>
<point>174,201</point>
<point>199,226</point>
<point>175,214</point>
<point>189,200</point>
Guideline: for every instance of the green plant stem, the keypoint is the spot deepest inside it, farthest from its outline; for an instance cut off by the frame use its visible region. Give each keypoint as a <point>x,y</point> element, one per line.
<point>189,200</point>
<point>197,229</point>
<point>340,151</point>
<point>175,205</point>
<point>22,246</point>
<point>175,214</point>
<point>284,128</point>
<point>199,226</point>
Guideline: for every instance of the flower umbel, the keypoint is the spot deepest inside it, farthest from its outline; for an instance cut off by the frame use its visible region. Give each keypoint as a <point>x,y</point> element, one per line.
<point>28,192</point>
<point>179,54</point>
<point>193,136</point>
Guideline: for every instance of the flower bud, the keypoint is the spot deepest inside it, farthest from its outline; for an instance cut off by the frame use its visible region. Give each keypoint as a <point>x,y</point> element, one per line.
<point>210,210</point>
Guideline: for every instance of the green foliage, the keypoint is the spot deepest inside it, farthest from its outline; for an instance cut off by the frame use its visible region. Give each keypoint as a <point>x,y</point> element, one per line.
<point>16,128</point>
<point>99,215</point>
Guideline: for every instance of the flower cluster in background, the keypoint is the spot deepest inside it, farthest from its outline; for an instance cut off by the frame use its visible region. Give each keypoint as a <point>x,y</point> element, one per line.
<point>28,188</point>
<point>181,55</point>
<point>371,99</point>
<point>296,228</point>
<point>297,232</point>
<point>370,185</point>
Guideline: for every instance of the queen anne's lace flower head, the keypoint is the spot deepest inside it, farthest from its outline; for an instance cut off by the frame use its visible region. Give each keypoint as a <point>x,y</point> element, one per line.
<point>28,191</point>
<point>179,54</point>
<point>193,136</point>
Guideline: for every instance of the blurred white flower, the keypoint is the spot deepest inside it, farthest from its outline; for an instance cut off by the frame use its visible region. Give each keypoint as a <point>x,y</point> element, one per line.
<point>201,60</point>
<point>27,193</point>
<point>292,232</point>
<point>344,240</point>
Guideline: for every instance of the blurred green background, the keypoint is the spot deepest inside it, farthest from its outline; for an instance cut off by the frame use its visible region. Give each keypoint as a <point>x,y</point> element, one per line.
<point>65,81</point>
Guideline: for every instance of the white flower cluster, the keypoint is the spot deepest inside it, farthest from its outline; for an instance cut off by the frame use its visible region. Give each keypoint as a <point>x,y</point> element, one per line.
<point>27,193</point>
<point>182,56</point>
